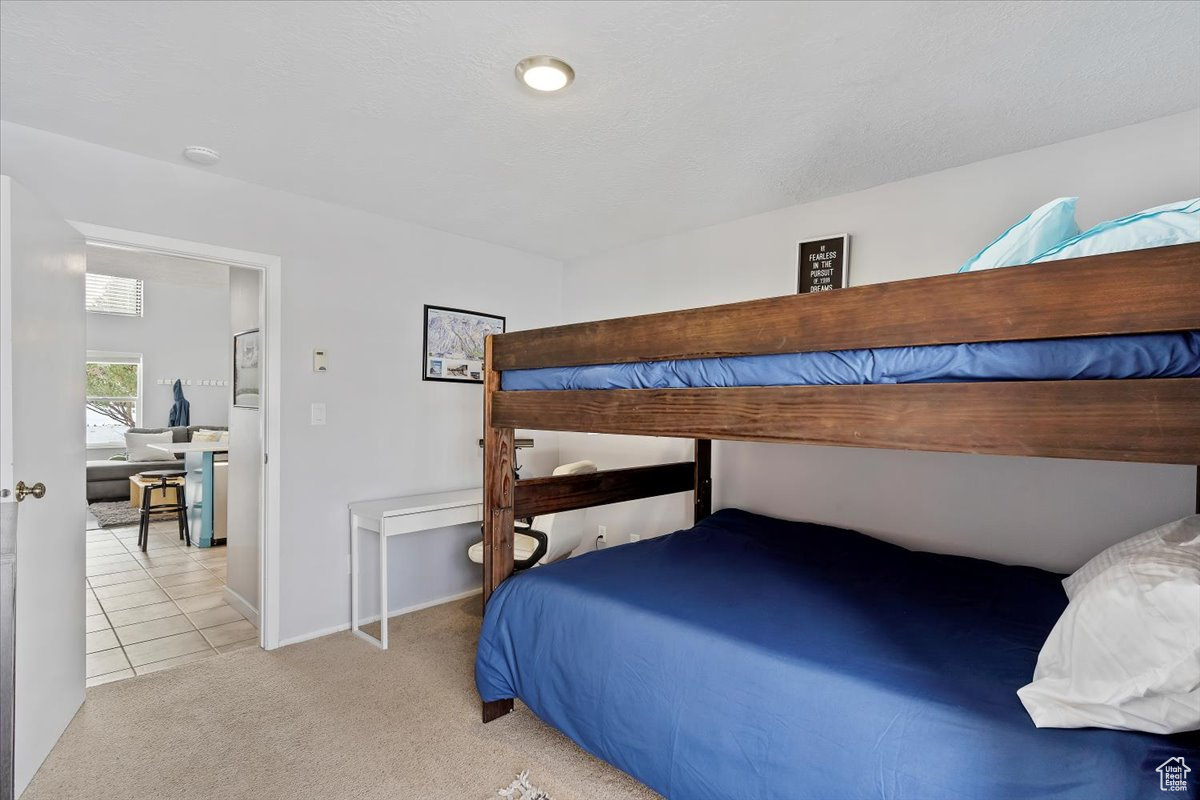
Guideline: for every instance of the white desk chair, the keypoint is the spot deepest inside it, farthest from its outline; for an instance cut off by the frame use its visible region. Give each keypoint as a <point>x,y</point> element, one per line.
<point>563,531</point>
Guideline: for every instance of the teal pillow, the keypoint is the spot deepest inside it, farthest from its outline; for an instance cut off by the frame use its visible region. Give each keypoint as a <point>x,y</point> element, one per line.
<point>1174,223</point>
<point>1043,229</point>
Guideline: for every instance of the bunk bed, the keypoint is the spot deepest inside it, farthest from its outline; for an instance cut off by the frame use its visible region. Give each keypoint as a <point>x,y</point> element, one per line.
<point>749,657</point>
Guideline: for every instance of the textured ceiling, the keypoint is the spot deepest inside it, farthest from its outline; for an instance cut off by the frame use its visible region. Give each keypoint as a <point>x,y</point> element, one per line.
<point>682,114</point>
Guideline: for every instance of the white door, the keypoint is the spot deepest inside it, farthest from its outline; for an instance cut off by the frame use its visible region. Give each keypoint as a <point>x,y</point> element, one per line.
<point>42,353</point>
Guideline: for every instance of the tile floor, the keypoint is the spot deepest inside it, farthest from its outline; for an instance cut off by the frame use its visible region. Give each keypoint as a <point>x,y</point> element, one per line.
<point>158,609</point>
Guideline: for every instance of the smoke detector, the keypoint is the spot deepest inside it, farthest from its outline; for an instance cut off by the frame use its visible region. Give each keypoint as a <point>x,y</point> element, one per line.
<point>205,156</point>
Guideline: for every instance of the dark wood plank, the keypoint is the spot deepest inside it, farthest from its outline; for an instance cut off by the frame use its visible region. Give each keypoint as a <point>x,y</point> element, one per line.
<point>498,481</point>
<point>1132,420</point>
<point>1132,292</point>
<point>497,549</point>
<point>557,493</point>
<point>702,481</point>
<point>496,709</point>
<point>498,534</point>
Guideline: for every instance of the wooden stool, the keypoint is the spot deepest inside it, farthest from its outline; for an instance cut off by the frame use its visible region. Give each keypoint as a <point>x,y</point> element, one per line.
<point>179,507</point>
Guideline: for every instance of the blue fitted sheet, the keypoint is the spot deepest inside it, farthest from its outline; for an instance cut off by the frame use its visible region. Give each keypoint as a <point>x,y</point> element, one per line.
<point>755,659</point>
<point>1164,355</point>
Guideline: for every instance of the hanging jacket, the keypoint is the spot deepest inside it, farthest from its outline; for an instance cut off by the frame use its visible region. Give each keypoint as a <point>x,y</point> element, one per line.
<point>181,412</point>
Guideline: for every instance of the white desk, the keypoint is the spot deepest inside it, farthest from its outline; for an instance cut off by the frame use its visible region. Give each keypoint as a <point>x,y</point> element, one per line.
<point>396,516</point>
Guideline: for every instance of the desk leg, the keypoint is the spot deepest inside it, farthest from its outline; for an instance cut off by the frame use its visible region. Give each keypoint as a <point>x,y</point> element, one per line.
<point>355,620</point>
<point>383,589</point>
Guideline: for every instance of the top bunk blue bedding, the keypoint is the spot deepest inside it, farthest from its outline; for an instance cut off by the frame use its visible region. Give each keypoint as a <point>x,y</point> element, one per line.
<point>1159,355</point>
<point>755,659</point>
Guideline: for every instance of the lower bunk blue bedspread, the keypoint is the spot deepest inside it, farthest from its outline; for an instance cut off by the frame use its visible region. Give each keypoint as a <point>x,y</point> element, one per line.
<point>752,658</point>
<point>1152,355</point>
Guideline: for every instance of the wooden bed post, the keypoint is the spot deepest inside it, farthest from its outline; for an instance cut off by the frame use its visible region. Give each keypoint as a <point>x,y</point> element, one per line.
<point>497,505</point>
<point>702,490</point>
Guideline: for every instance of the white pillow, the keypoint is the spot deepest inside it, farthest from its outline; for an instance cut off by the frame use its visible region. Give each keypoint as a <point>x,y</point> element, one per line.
<point>138,445</point>
<point>1182,532</point>
<point>1126,652</point>
<point>204,435</point>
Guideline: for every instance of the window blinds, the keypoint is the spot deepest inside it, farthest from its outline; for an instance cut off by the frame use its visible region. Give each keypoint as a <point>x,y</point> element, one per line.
<point>109,294</point>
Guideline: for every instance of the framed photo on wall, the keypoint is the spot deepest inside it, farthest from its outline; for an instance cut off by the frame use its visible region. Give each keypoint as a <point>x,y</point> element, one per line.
<point>247,357</point>
<point>453,343</point>
<point>823,264</point>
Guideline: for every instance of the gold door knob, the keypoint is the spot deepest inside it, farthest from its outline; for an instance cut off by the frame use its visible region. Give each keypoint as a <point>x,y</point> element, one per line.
<point>38,490</point>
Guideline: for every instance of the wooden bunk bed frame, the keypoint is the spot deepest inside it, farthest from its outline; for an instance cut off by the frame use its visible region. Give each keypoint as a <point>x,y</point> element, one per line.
<point>1145,420</point>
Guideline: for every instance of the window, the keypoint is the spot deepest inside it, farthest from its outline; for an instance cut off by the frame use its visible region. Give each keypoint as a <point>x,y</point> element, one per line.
<point>114,392</point>
<point>109,294</point>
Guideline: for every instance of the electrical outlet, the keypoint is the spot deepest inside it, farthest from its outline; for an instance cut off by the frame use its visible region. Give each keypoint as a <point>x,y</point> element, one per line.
<point>635,537</point>
<point>602,537</point>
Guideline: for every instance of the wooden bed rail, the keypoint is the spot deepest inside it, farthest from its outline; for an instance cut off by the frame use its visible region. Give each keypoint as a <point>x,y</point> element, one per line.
<point>558,493</point>
<point>1147,420</point>
<point>1141,291</point>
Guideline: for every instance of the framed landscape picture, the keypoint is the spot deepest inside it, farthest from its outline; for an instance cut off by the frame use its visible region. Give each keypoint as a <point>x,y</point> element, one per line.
<point>246,358</point>
<point>453,344</point>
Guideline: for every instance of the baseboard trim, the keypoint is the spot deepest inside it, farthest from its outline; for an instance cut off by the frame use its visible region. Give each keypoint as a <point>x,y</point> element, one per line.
<point>345,626</point>
<point>243,607</point>
<point>317,634</point>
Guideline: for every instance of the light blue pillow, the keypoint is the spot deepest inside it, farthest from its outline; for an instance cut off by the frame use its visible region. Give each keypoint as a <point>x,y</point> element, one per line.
<point>1050,225</point>
<point>1174,223</point>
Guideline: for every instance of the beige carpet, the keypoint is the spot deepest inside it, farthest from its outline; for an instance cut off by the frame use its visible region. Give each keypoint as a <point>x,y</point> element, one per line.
<point>328,719</point>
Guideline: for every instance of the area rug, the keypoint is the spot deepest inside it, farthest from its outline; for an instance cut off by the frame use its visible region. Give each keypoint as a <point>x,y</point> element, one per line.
<point>114,514</point>
<point>522,789</point>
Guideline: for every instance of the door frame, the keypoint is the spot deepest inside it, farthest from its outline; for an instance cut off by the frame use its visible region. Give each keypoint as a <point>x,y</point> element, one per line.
<point>270,312</point>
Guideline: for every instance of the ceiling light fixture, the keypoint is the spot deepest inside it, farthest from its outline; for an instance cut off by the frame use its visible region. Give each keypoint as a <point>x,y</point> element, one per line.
<point>545,73</point>
<point>204,156</point>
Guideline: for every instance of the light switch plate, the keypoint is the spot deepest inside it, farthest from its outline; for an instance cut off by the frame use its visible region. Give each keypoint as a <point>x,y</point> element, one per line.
<point>318,414</point>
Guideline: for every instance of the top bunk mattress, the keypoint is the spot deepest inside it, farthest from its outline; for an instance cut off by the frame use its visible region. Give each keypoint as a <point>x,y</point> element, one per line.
<point>1157,355</point>
<point>750,658</point>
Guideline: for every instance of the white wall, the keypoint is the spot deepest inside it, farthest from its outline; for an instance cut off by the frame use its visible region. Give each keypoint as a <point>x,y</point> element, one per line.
<point>245,458</point>
<point>353,283</point>
<point>184,333</point>
<point>1050,513</point>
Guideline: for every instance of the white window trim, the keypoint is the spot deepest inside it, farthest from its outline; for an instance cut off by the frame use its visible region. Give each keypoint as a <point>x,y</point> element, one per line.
<point>107,357</point>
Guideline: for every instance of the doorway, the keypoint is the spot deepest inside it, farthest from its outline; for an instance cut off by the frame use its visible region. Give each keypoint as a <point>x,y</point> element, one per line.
<point>174,478</point>
<point>252,469</point>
